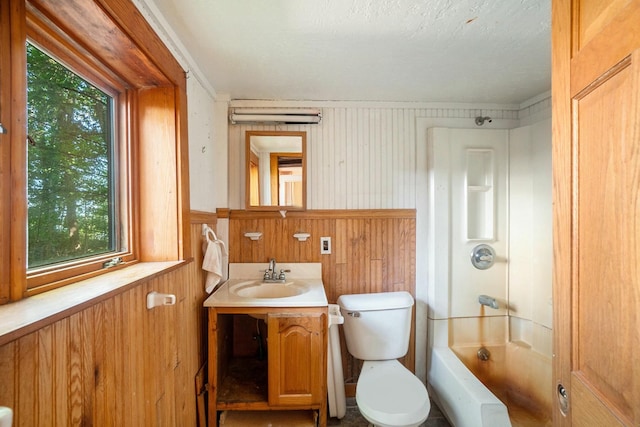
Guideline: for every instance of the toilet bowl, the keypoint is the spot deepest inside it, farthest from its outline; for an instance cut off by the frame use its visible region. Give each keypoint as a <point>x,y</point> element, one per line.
<point>376,329</point>
<point>389,395</point>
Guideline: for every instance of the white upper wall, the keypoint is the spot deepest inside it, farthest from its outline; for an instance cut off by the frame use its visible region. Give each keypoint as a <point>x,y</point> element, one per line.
<point>363,155</point>
<point>369,146</point>
<point>202,151</point>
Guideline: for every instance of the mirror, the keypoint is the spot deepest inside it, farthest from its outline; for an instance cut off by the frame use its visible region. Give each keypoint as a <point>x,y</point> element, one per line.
<point>276,170</point>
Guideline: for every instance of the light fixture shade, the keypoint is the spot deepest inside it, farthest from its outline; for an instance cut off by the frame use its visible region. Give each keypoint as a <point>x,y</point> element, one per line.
<point>275,115</point>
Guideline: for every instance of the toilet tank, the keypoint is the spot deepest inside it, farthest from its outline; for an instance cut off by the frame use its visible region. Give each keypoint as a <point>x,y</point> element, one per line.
<point>377,325</point>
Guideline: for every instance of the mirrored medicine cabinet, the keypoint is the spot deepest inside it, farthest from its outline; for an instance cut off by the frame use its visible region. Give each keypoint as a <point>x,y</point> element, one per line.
<point>275,171</point>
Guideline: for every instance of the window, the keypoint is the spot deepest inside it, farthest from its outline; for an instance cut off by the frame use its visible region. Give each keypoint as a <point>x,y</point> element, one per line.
<point>92,164</point>
<point>70,180</point>
<point>76,196</point>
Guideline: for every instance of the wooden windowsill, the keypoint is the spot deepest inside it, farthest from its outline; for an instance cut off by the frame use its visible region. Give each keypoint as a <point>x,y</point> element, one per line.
<point>30,314</point>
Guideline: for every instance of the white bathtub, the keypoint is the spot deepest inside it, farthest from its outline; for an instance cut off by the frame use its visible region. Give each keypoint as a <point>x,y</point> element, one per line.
<point>495,392</point>
<point>465,401</point>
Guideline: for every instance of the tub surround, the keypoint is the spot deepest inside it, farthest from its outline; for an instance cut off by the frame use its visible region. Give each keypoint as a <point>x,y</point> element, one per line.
<point>518,333</point>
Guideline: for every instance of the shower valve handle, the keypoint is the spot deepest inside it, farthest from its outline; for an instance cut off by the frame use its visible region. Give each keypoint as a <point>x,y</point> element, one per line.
<point>483,257</point>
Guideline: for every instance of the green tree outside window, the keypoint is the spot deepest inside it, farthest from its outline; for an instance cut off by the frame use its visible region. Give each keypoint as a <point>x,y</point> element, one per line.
<point>71,212</point>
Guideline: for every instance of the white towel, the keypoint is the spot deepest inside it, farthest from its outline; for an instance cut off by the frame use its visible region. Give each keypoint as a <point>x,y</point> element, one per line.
<point>212,264</point>
<point>223,247</point>
<point>210,236</point>
<point>214,251</point>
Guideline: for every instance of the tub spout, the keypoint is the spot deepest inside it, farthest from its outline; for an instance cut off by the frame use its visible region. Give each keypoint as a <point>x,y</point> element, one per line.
<point>488,301</point>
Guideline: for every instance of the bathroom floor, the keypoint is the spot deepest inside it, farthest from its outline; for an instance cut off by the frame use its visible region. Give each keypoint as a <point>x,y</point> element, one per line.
<point>353,418</point>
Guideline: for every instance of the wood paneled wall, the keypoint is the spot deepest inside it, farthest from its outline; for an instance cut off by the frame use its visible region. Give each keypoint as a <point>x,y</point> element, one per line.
<point>115,363</point>
<point>372,251</point>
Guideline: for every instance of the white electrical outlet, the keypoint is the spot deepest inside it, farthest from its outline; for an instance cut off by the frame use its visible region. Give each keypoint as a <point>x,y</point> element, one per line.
<point>325,245</point>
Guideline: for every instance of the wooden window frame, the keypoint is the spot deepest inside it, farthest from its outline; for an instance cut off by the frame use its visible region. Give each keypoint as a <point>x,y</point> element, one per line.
<point>52,276</point>
<point>150,88</point>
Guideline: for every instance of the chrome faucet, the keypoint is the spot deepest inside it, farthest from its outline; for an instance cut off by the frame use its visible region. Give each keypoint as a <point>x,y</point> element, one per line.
<point>488,301</point>
<point>271,275</point>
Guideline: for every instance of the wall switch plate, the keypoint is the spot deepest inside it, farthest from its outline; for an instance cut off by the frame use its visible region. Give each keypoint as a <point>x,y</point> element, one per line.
<point>325,245</point>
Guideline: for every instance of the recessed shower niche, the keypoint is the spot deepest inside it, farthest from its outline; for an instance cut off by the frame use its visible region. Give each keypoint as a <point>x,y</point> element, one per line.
<point>480,204</point>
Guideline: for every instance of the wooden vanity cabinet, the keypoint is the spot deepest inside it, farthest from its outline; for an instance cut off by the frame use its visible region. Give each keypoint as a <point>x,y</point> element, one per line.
<point>293,375</point>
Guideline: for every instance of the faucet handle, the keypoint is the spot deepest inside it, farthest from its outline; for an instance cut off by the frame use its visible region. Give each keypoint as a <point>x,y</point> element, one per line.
<point>282,275</point>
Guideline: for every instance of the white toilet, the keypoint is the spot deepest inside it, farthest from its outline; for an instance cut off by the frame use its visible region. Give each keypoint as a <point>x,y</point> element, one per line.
<point>376,330</point>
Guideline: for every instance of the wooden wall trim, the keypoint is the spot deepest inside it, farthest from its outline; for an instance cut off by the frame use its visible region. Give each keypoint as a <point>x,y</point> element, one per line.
<point>223,212</point>
<point>5,163</point>
<point>30,314</point>
<point>136,26</point>
<point>562,197</point>
<point>119,36</point>
<point>201,217</point>
<point>158,206</point>
<point>326,214</point>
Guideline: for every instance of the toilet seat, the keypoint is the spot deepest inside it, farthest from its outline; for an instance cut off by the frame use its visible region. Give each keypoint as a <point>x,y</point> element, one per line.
<point>389,395</point>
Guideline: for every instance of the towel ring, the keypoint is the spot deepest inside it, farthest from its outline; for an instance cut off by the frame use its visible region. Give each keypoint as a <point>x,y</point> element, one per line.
<point>206,230</point>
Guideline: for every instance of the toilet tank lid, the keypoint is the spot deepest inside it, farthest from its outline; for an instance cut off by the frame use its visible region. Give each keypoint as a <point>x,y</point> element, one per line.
<point>376,301</point>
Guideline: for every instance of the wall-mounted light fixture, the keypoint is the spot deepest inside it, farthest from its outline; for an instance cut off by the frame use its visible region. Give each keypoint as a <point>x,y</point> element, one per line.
<point>284,116</point>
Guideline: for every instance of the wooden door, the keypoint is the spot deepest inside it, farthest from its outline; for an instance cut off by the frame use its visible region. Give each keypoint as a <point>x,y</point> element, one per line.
<point>596,149</point>
<point>297,364</point>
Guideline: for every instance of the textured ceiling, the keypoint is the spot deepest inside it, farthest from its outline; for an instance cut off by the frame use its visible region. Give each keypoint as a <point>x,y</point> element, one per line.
<point>482,51</point>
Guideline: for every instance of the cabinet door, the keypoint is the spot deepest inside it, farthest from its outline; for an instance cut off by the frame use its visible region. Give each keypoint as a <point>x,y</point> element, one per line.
<point>297,361</point>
